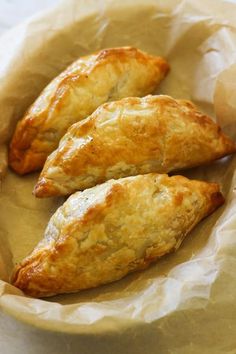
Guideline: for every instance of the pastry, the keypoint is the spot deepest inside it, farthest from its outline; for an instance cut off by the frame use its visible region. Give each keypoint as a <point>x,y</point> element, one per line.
<point>108,75</point>
<point>130,137</point>
<point>101,234</point>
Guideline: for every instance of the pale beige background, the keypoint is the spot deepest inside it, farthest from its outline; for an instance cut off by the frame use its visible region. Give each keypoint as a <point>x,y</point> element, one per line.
<point>13,12</point>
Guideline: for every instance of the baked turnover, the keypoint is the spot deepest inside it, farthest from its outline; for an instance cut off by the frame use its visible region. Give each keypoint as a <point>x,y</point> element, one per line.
<point>130,137</point>
<point>101,234</point>
<point>110,74</point>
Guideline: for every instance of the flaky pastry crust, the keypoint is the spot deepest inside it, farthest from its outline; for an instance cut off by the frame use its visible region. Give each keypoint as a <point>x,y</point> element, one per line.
<point>108,75</point>
<point>103,233</point>
<point>130,137</point>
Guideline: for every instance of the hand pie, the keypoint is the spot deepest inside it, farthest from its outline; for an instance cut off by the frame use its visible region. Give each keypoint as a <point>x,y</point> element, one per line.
<point>130,137</point>
<point>108,75</point>
<point>103,233</point>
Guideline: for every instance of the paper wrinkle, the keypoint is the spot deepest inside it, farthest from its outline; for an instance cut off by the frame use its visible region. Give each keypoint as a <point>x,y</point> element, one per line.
<point>199,46</point>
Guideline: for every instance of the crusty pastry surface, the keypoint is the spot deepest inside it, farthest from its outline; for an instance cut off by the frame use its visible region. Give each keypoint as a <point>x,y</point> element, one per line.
<point>130,137</point>
<point>103,233</point>
<point>108,75</point>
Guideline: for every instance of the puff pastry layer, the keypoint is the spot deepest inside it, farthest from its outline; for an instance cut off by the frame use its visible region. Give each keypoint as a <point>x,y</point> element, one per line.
<point>130,137</point>
<point>92,80</point>
<point>103,233</point>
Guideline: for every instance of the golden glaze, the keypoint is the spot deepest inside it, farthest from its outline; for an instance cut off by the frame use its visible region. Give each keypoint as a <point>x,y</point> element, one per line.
<point>130,137</point>
<point>103,233</point>
<point>92,80</point>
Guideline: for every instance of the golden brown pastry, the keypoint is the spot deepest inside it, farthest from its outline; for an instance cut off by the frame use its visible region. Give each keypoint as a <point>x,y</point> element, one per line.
<point>130,137</point>
<point>92,80</point>
<point>103,233</point>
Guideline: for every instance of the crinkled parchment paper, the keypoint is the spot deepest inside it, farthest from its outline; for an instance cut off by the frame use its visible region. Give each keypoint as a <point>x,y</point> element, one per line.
<point>186,302</point>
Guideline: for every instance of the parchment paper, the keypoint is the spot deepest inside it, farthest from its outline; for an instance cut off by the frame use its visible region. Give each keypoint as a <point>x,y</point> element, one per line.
<point>187,299</point>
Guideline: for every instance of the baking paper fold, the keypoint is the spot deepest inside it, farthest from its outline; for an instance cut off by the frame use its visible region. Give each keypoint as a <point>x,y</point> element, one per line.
<point>196,285</point>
